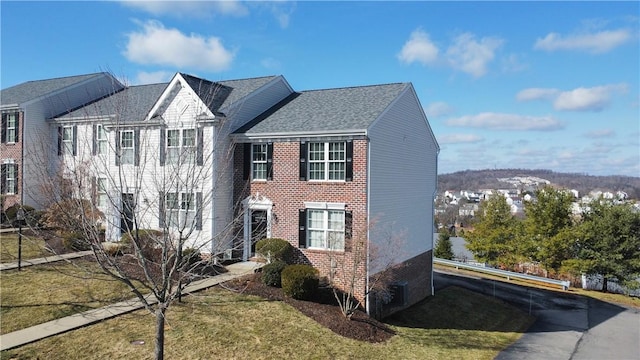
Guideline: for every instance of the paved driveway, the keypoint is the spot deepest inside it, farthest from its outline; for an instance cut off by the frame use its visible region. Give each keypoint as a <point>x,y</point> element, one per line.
<point>568,326</point>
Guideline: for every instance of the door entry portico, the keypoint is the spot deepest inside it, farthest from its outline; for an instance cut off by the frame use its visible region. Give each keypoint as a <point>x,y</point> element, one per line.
<point>257,222</point>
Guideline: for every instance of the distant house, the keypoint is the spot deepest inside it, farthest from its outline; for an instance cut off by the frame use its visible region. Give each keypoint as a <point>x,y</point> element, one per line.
<point>228,163</point>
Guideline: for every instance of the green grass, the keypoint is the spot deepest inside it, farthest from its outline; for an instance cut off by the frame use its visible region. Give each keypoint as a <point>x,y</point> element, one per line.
<point>43,293</point>
<point>454,324</point>
<point>32,247</point>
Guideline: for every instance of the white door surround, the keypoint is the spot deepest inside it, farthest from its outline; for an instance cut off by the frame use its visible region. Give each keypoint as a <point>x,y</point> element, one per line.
<point>252,203</point>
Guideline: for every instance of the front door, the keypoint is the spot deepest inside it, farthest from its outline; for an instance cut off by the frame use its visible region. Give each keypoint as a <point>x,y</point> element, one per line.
<point>126,215</point>
<point>258,227</point>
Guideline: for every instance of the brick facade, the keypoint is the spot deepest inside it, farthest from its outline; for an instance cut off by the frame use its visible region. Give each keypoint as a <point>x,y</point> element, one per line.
<point>13,151</point>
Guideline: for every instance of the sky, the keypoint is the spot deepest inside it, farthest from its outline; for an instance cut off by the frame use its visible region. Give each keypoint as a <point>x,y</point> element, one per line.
<point>527,85</point>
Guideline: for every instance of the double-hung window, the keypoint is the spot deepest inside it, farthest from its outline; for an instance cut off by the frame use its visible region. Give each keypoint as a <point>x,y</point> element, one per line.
<point>325,229</point>
<point>101,140</point>
<point>9,178</point>
<point>259,161</point>
<point>127,147</point>
<point>11,122</point>
<point>180,210</point>
<point>67,139</point>
<point>181,145</point>
<point>326,161</point>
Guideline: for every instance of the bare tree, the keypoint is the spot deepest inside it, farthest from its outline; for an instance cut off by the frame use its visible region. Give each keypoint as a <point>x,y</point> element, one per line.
<point>148,183</point>
<point>363,269</point>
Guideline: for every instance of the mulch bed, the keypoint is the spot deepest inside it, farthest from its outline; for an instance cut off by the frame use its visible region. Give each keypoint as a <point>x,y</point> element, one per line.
<point>323,310</point>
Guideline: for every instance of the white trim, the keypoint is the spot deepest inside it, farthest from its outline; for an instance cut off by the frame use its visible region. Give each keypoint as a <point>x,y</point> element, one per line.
<point>251,203</point>
<point>324,205</point>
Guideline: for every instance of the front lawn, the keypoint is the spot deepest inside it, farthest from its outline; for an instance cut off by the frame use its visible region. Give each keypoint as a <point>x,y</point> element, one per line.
<point>221,324</point>
<point>32,247</point>
<point>43,293</point>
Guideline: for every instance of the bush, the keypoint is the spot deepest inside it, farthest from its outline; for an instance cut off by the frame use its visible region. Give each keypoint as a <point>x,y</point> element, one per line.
<point>113,248</point>
<point>147,241</point>
<point>75,241</point>
<point>300,281</point>
<point>190,257</point>
<point>272,273</point>
<point>30,215</point>
<point>274,249</point>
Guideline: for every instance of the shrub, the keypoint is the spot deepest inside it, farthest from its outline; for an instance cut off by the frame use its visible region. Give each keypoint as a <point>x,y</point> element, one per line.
<point>147,241</point>
<point>75,241</point>
<point>113,248</point>
<point>274,249</point>
<point>300,281</point>
<point>190,257</point>
<point>271,273</point>
<point>30,215</point>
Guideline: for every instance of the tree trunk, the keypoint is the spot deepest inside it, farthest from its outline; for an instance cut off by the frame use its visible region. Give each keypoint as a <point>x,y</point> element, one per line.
<point>604,284</point>
<point>160,312</point>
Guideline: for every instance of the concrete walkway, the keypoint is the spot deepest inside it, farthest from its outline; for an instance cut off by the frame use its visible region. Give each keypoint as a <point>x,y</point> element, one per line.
<point>44,260</point>
<point>59,326</point>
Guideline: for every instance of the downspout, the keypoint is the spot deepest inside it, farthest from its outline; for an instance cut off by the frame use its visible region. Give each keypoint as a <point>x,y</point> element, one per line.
<point>214,174</point>
<point>368,190</point>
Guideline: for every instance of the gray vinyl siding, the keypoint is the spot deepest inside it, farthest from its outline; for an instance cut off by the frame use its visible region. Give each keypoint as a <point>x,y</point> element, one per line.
<point>403,176</point>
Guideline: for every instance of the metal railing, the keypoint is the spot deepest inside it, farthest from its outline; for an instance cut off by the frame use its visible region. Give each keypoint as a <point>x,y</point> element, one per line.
<point>502,273</point>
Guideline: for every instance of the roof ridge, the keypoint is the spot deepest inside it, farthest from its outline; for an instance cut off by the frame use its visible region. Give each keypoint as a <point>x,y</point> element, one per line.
<point>357,86</point>
<point>62,77</point>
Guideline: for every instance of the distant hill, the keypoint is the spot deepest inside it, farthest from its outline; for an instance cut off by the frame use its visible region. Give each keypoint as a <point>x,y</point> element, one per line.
<point>488,179</point>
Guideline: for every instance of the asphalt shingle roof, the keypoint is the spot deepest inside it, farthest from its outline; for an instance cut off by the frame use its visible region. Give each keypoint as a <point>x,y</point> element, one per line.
<point>30,90</point>
<point>242,88</point>
<point>131,104</point>
<point>352,108</point>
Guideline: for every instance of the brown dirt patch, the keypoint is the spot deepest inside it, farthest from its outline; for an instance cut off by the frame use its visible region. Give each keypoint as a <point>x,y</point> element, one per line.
<point>323,310</point>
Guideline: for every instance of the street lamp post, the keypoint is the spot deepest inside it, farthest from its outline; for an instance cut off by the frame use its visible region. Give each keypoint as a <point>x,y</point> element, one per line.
<point>20,218</point>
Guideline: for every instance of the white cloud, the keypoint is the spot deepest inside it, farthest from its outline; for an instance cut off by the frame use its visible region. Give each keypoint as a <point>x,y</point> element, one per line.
<point>512,64</point>
<point>437,109</point>
<point>599,134</point>
<point>596,43</point>
<point>472,56</point>
<point>157,45</point>
<point>459,139</point>
<point>587,99</point>
<point>419,48</point>
<point>155,77</point>
<point>537,94</point>
<point>190,8</point>
<point>500,121</point>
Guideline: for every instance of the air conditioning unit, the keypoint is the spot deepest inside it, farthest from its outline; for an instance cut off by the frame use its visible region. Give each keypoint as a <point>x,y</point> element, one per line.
<point>228,254</point>
<point>399,293</point>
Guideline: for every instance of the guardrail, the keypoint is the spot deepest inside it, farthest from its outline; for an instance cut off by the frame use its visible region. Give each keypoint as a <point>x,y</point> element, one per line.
<point>502,273</point>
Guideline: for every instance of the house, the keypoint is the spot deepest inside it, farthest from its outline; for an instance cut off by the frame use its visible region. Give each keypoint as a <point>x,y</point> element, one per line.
<point>224,164</point>
<point>322,165</point>
<point>25,107</point>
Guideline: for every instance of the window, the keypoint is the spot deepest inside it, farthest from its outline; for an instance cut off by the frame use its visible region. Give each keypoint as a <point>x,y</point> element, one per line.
<point>325,229</point>
<point>67,140</point>
<point>101,140</point>
<point>9,178</point>
<point>10,127</point>
<point>326,161</point>
<point>127,147</point>
<point>102,192</point>
<point>180,210</point>
<point>181,146</point>
<point>259,160</point>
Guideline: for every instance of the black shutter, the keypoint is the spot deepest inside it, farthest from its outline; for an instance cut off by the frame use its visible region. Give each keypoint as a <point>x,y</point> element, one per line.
<point>303,161</point>
<point>17,137</point>
<point>60,132</point>
<point>302,231</point>
<point>94,140</point>
<point>163,149</point>
<point>161,213</point>
<point>4,127</point>
<point>270,161</point>
<point>75,140</point>
<point>118,148</point>
<point>17,178</point>
<point>246,168</point>
<point>348,176</point>
<point>199,146</point>
<point>3,178</point>
<point>348,230</point>
<point>136,147</point>
<point>198,211</point>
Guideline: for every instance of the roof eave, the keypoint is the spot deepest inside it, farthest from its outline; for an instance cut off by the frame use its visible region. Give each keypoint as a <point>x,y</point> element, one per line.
<point>298,135</point>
